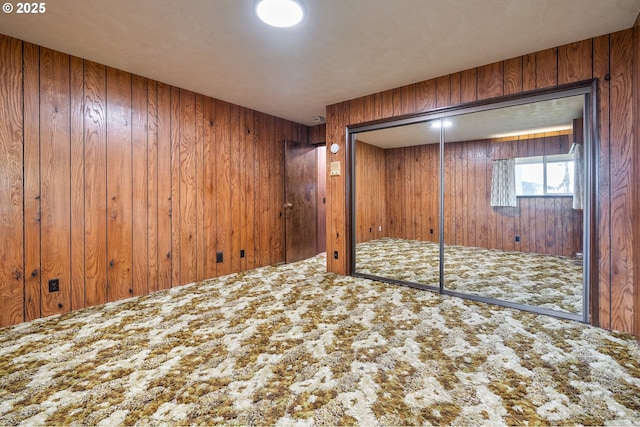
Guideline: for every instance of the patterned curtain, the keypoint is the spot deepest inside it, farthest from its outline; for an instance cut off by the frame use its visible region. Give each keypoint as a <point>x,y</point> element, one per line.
<point>503,183</point>
<point>578,178</point>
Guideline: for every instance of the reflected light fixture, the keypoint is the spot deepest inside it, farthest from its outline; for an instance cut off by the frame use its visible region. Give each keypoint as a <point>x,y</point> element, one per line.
<point>280,13</point>
<point>445,123</point>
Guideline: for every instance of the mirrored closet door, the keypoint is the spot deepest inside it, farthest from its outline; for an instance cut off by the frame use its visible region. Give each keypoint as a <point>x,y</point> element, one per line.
<point>397,209</point>
<point>489,203</point>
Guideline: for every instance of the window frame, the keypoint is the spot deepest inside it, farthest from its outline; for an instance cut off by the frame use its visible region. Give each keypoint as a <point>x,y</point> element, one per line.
<point>544,160</point>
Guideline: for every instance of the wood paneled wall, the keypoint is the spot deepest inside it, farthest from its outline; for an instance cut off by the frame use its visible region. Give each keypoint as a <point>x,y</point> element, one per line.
<point>118,185</point>
<point>409,178</point>
<point>371,184</point>
<point>610,56</point>
<point>636,155</point>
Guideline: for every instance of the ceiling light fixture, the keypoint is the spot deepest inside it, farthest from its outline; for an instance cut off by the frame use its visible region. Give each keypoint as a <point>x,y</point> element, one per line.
<point>437,125</point>
<point>280,13</point>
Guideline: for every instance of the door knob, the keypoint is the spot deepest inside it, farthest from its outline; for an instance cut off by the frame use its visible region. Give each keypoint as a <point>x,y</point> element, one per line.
<point>288,205</point>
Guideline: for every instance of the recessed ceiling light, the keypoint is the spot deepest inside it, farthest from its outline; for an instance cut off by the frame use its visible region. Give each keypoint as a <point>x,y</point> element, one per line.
<point>436,124</point>
<point>280,13</point>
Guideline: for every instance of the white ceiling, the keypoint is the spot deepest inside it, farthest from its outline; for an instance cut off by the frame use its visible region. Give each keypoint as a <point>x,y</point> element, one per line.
<point>342,50</point>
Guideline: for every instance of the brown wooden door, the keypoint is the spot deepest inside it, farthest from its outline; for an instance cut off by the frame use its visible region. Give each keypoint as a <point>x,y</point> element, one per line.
<point>300,201</point>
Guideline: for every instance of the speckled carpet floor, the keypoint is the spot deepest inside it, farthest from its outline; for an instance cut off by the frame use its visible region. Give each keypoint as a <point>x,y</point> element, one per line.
<point>292,344</point>
<point>525,278</point>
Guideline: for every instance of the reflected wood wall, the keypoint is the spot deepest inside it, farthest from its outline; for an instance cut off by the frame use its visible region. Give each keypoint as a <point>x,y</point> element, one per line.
<point>371,184</point>
<point>119,185</point>
<point>614,56</point>
<point>545,225</point>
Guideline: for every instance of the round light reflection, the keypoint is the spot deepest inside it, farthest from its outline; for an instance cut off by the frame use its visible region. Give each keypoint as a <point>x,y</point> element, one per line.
<point>280,13</point>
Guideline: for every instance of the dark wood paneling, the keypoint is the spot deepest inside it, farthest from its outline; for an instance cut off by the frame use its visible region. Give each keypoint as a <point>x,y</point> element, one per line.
<point>11,182</point>
<point>410,182</point>
<point>33,300</point>
<point>236,193</point>
<point>575,62</point>
<point>610,54</point>
<point>635,214</point>
<point>371,182</point>
<point>468,85</point>
<point>622,185</point>
<point>165,249</point>
<point>95,176</point>
<point>187,203</point>
<point>490,80</point>
<point>443,91</point>
<point>119,186</point>
<point>152,187</point>
<point>223,186</point>
<point>318,133</point>
<point>140,183</point>
<point>55,168</point>
<point>77,185</point>
<point>513,76</point>
<point>210,205</point>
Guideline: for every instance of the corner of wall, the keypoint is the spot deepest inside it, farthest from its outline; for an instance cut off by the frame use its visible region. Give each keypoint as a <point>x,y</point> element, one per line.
<point>636,166</point>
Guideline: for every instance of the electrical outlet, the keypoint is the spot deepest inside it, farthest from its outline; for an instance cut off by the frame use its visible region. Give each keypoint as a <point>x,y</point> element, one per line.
<point>54,285</point>
<point>379,228</point>
<point>219,257</point>
<point>335,254</point>
<point>431,231</point>
<point>370,230</point>
<point>517,238</point>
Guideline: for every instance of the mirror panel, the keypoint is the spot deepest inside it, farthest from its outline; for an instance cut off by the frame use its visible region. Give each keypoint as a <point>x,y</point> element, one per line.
<point>396,197</point>
<point>512,190</point>
<point>512,232</point>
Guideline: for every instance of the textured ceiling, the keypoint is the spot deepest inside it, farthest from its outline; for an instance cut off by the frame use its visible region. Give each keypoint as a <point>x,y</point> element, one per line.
<point>343,49</point>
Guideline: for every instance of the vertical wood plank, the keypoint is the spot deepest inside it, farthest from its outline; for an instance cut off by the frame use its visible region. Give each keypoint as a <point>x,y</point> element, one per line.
<point>209,224</point>
<point>600,70</point>
<point>575,62</point>
<point>621,61</point>
<point>176,214</point>
<point>456,88</point>
<point>188,196</point>
<point>32,256</point>
<point>425,95</point>
<point>468,85</point>
<point>277,152</point>
<point>513,76</point>
<point>529,66</point>
<point>397,101</point>
<point>408,99</point>
<point>201,248</point>
<point>223,186</point>
<point>236,189</point>
<point>443,91</point>
<point>249,190</point>
<point>152,187</point>
<point>77,185</point>
<point>165,240</point>
<point>490,80</point>
<point>262,133</point>
<point>140,182</point>
<point>55,152</point>
<point>547,68</point>
<point>119,183</point>
<point>11,182</point>
<point>95,189</point>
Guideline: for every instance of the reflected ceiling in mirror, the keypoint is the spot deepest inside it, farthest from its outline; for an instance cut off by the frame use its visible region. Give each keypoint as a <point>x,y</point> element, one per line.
<point>544,116</point>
